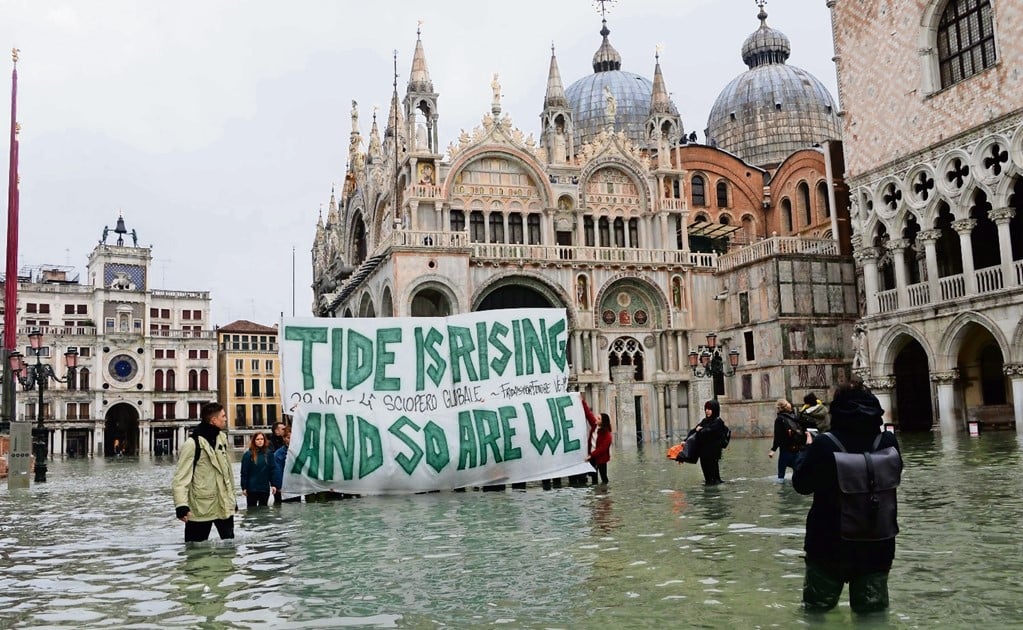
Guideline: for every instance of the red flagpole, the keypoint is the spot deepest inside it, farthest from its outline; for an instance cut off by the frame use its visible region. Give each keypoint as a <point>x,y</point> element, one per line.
<point>11,279</point>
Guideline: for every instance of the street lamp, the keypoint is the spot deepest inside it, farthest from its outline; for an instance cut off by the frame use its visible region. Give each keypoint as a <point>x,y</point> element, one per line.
<point>707,361</point>
<point>36,376</point>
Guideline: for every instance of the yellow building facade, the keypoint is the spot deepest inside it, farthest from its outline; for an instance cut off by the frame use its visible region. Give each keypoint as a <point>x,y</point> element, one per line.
<point>249,370</point>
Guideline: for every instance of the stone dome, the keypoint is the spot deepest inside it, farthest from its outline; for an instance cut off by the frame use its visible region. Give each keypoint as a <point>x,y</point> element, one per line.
<point>773,109</point>
<point>632,94</point>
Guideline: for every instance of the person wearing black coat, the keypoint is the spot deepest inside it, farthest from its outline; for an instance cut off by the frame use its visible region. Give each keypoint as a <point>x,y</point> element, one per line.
<point>710,434</point>
<point>856,417</point>
<point>787,441</point>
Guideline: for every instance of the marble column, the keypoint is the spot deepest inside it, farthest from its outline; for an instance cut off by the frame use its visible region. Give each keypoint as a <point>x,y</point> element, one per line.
<point>898,249</point>
<point>673,411</point>
<point>946,382</point>
<point>883,387</point>
<point>964,228</point>
<point>413,205</point>
<point>662,412</point>
<point>1015,374</point>
<point>577,352</point>
<point>866,258</point>
<point>625,411</point>
<point>98,438</point>
<point>929,238</point>
<point>1002,218</point>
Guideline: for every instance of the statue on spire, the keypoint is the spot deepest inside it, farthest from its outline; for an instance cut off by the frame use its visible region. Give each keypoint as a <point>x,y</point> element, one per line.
<point>495,85</point>
<point>355,116</point>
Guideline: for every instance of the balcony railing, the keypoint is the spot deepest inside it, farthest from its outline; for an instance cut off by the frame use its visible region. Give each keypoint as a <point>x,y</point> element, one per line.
<point>59,331</point>
<point>618,255</point>
<point>192,295</point>
<point>423,191</point>
<point>183,334</point>
<point>402,238</point>
<point>887,301</point>
<point>952,287</point>
<point>988,279</point>
<point>919,294</point>
<point>777,245</point>
<point>673,204</point>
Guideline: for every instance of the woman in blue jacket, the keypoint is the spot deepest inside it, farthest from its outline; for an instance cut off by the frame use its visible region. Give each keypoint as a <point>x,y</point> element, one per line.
<point>280,459</point>
<point>257,467</point>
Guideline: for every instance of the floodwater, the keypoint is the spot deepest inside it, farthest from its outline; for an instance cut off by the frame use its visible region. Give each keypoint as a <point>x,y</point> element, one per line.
<point>98,545</point>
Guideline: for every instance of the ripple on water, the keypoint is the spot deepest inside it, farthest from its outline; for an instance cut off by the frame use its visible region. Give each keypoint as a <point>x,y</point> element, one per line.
<point>656,537</point>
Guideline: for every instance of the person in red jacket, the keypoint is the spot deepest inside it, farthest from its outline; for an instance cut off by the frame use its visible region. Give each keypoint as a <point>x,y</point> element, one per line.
<point>601,453</point>
<point>592,422</point>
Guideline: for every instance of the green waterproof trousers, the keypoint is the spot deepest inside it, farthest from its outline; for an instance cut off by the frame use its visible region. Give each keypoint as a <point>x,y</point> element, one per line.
<point>821,590</point>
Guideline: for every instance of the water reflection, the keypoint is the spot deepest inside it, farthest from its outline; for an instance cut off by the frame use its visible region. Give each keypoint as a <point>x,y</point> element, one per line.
<point>98,546</point>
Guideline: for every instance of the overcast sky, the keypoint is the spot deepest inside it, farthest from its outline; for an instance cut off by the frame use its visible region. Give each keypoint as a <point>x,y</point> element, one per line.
<point>218,127</point>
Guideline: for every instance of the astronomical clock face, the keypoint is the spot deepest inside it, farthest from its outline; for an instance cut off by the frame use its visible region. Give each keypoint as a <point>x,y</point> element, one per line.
<point>123,368</point>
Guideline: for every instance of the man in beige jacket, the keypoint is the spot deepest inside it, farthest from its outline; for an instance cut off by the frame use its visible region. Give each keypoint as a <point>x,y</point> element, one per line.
<point>203,483</point>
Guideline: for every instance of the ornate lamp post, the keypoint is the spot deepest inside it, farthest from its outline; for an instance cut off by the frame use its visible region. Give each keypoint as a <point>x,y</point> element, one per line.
<point>708,360</point>
<point>36,376</point>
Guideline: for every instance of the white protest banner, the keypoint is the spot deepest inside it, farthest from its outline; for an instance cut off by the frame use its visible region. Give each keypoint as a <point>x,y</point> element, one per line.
<point>396,405</point>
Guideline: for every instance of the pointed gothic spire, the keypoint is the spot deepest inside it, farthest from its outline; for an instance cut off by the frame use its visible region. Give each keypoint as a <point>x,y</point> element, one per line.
<point>659,101</point>
<point>555,91</point>
<point>394,119</point>
<point>332,209</point>
<point>319,227</point>
<point>374,138</point>
<point>419,79</point>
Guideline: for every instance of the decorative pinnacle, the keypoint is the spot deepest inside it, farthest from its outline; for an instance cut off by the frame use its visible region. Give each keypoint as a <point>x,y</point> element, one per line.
<point>605,6</point>
<point>14,54</point>
<point>763,13</point>
<point>658,49</point>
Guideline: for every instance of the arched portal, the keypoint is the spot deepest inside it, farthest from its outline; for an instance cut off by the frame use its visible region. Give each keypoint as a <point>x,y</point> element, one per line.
<point>913,408</point>
<point>430,303</point>
<point>122,424</point>
<point>514,296</point>
<point>980,364</point>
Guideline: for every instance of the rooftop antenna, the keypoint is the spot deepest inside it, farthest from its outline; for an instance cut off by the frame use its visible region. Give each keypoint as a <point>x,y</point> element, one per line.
<point>397,133</point>
<point>163,270</point>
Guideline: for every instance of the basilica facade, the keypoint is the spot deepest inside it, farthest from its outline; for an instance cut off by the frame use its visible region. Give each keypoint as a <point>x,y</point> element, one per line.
<point>687,270</point>
<point>936,171</point>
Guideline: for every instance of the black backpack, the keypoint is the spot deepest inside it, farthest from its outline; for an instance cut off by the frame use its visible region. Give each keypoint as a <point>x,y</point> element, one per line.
<point>726,438</point>
<point>866,491</point>
<point>795,433</point>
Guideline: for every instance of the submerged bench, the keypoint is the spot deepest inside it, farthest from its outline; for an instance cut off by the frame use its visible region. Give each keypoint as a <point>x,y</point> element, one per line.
<point>992,416</point>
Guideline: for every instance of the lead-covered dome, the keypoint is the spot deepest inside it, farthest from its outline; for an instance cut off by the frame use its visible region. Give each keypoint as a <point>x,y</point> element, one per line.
<point>773,109</point>
<point>632,94</point>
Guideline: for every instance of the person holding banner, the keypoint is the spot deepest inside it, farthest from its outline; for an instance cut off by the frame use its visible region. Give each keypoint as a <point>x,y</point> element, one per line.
<point>276,441</point>
<point>601,453</point>
<point>592,422</point>
<point>277,478</point>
